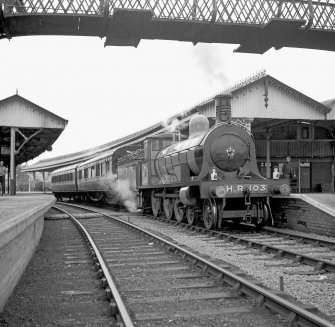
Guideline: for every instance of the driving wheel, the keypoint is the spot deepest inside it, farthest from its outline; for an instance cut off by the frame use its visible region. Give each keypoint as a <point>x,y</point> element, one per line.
<point>168,208</point>
<point>179,210</point>
<point>191,215</point>
<point>155,204</point>
<point>210,213</point>
<point>263,215</point>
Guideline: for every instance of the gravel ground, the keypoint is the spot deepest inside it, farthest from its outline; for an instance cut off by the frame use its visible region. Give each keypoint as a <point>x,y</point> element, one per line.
<point>300,281</point>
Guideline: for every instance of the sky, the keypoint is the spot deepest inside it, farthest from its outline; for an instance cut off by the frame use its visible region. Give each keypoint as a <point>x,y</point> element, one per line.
<point>108,93</point>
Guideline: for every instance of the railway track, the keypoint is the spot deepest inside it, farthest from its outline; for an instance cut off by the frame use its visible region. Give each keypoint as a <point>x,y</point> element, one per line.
<point>157,282</point>
<point>302,249</point>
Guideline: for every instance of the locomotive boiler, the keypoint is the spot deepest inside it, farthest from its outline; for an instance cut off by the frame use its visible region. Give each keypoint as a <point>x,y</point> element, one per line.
<point>210,176</point>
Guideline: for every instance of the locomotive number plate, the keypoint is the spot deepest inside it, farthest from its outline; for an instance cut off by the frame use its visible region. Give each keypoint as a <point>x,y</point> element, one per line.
<point>253,188</point>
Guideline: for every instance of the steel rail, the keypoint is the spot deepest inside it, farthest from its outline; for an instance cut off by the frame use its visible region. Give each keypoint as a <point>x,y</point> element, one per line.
<point>294,313</point>
<point>309,239</point>
<point>116,295</point>
<point>302,258</point>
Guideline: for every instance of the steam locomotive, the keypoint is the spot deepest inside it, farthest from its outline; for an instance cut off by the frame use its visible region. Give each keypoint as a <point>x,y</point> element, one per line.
<point>209,176</point>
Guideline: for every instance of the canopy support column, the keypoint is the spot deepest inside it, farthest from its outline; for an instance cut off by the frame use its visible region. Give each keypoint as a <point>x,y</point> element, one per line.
<point>12,162</point>
<point>268,157</point>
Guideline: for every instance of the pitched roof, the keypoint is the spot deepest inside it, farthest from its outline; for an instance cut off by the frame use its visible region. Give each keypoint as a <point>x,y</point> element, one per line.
<point>36,128</point>
<point>33,105</point>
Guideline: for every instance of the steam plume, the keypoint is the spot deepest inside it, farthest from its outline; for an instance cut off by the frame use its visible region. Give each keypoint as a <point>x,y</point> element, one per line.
<point>171,126</point>
<point>124,192</point>
<point>211,61</point>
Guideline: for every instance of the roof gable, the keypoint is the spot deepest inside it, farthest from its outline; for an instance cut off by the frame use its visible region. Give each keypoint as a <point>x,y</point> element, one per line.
<point>17,111</point>
<point>331,105</point>
<point>262,96</point>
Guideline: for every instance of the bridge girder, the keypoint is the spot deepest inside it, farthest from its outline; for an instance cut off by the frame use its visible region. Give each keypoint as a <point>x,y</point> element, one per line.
<point>257,25</point>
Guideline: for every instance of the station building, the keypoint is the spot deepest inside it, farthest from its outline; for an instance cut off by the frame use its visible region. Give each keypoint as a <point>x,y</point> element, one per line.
<point>285,123</point>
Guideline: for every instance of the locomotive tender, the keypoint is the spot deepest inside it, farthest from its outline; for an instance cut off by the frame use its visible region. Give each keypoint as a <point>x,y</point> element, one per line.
<point>210,176</point>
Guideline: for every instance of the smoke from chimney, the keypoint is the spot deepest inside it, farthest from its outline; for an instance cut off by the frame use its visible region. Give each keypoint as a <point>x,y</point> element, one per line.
<point>210,60</point>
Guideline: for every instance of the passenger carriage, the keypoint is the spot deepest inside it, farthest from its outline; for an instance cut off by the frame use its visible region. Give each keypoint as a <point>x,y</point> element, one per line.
<point>96,177</point>
<point>64,182</point>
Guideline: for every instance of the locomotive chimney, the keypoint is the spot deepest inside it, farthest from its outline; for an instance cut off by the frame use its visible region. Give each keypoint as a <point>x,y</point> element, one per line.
<point>223,108</point>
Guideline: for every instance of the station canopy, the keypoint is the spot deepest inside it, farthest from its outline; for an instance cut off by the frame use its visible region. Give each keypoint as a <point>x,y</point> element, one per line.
<point>36,129</point>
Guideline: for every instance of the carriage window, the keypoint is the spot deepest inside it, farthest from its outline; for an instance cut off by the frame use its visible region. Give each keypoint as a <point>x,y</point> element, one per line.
<point>80,173</point>
<point>97,172</point>
<point>92,171</point>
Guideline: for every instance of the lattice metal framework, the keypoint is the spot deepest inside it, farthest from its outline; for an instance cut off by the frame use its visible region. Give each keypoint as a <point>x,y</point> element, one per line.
<point>318,14</point>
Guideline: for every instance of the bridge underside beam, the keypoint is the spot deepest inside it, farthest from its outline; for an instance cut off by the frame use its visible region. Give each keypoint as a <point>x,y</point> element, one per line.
<point>275,33</point>
<point>128,27</point>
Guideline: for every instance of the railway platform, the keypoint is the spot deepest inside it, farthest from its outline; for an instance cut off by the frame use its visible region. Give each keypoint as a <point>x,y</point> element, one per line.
<point>322,201</point>
<point>310,212</point>
<point>21,226</point>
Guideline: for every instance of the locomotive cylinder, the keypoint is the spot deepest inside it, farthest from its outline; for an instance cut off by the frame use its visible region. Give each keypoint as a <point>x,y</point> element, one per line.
<point>186,197</point>
<point>223,108</point>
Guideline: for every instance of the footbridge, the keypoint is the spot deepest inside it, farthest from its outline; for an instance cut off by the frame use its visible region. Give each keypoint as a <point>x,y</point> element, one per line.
<point>257,25</point>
